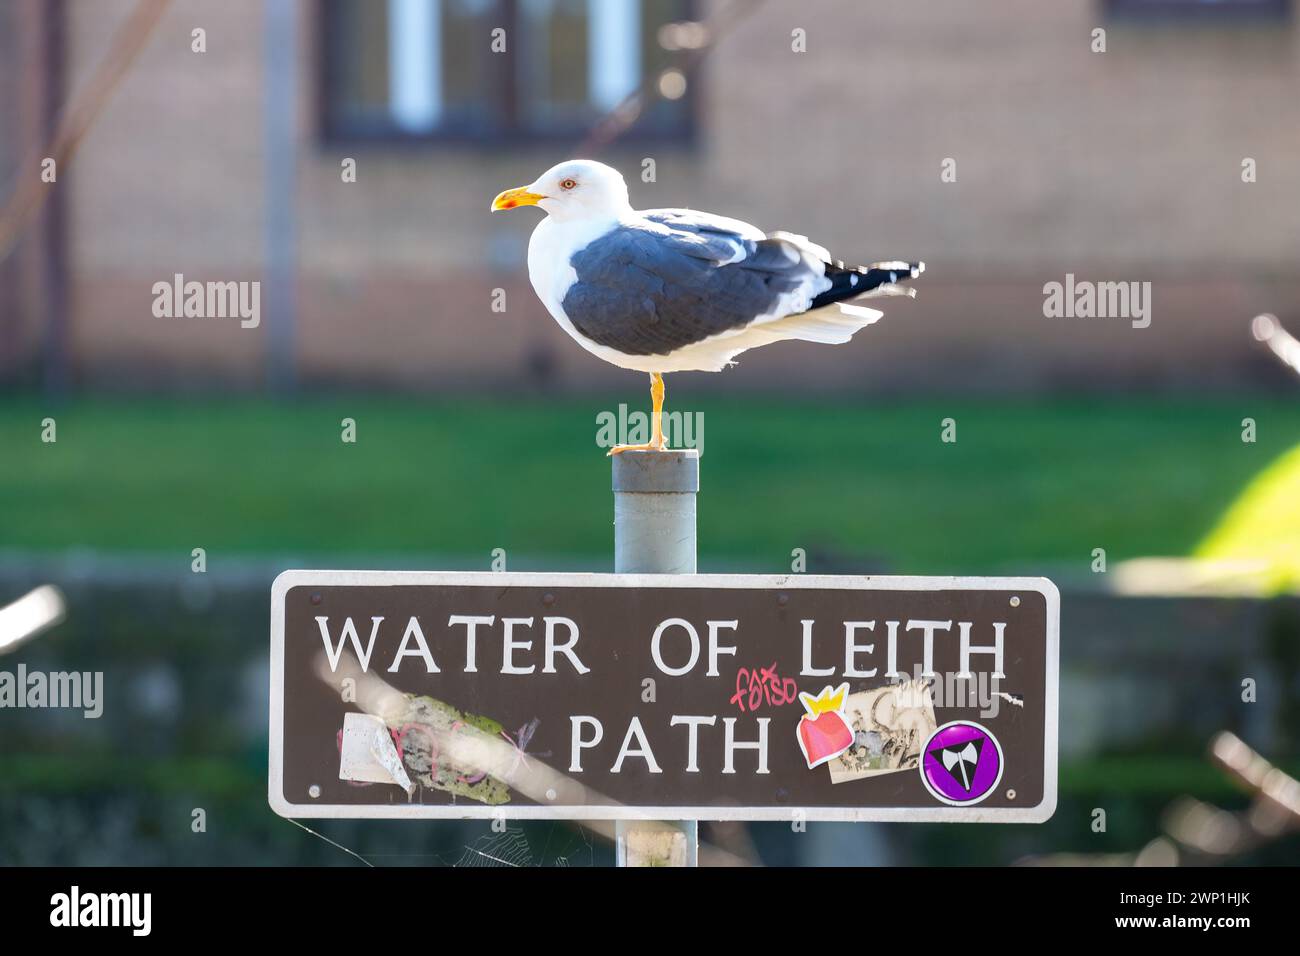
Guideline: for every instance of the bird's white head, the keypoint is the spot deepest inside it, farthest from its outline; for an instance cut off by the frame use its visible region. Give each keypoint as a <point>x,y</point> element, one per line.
<point>576,189</point>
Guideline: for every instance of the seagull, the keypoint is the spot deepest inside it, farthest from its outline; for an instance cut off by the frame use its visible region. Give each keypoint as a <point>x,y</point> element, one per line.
<point>675,290</point>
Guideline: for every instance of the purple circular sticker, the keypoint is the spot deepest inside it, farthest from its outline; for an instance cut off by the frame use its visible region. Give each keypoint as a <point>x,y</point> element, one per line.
<point>961,763</point>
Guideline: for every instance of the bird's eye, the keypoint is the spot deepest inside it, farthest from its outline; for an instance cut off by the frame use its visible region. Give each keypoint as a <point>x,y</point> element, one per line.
<point>567,183</point>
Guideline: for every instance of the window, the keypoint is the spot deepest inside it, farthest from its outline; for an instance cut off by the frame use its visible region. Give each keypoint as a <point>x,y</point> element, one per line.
<point>426,69</point>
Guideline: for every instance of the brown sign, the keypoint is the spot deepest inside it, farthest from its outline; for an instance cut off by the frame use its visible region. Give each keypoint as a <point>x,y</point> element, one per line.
<point>593,696</point>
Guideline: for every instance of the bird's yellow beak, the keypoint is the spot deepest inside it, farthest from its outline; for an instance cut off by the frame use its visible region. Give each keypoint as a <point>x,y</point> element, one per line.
<point>520,196</point>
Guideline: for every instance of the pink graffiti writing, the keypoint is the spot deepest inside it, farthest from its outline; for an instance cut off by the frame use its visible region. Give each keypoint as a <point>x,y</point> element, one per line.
<point>755,688</point>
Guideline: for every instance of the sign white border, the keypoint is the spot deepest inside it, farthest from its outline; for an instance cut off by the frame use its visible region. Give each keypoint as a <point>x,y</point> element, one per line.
<point>936,814</point>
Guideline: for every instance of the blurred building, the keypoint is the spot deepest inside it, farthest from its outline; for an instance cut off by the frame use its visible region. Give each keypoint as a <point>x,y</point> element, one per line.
<point>1123,165</point>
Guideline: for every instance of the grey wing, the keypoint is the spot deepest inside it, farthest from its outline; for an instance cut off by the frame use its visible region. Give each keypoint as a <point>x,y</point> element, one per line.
<point>704,223</point>
<point>679,277</point>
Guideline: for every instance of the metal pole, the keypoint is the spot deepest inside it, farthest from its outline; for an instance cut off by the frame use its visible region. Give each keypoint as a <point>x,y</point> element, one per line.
<point>53,261</point>
<point>654,533</point>
<point>280,142</point>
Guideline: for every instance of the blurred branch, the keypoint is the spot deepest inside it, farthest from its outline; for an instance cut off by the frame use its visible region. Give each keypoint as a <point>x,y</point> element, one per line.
<point>78,117</point>
<point>31,614</point>
<point>1268,330</point>
<point>694,41</point>
<point>1277,794</point>
<point>1200,833</point>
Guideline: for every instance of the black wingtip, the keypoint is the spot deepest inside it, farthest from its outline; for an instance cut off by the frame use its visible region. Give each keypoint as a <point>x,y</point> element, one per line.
<point>848,282</point>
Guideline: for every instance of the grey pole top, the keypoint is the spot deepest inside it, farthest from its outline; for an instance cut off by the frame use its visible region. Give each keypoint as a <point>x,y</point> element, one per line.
<point>657,472</point>
<point>654,511</point>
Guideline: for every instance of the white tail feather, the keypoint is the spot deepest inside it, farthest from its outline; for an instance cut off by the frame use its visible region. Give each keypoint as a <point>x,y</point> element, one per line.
<point>889,288</point>
<point>832,325</point>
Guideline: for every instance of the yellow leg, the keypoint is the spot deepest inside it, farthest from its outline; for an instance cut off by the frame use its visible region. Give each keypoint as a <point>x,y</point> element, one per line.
<point>656,442</point>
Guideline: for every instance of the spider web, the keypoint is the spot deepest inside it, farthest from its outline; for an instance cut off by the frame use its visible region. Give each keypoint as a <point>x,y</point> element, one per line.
<point>554,845</point>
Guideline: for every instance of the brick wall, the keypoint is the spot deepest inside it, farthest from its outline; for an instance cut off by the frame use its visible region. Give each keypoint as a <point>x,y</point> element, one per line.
<point>1116,166</point>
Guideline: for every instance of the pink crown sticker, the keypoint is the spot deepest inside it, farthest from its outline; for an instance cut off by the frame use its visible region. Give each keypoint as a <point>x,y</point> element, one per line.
<point>823,731</point>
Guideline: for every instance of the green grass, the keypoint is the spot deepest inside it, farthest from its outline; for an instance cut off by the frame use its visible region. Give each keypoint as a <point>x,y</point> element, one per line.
<point>1026,484</point>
